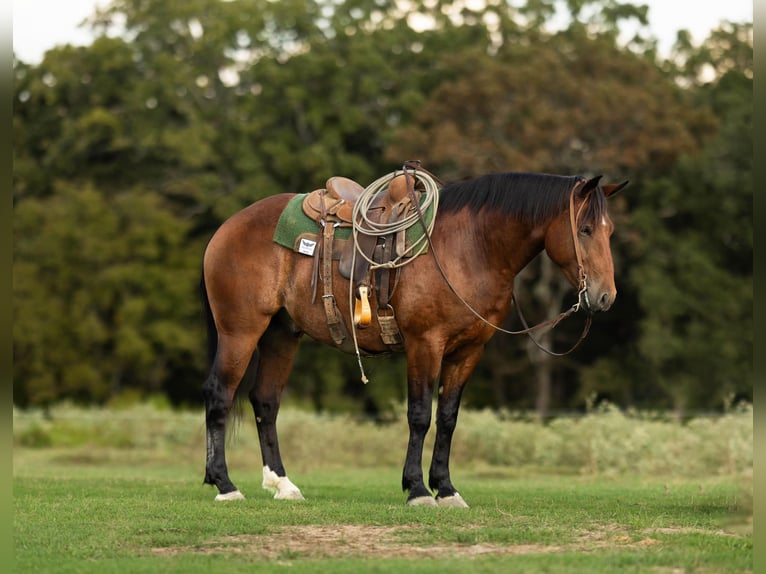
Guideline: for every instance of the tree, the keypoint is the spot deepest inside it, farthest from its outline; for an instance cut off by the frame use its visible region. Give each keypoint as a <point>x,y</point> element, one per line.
<point>130,152</point>
<point>210,106</point>
<point>101,288</point>
<point>692,250</point>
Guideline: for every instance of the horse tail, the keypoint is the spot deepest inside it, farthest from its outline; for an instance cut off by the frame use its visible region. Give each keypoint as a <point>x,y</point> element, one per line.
<point>212,332</point>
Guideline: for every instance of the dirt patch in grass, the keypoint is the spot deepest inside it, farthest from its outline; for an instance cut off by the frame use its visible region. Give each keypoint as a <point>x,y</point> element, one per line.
<point>339,541</point>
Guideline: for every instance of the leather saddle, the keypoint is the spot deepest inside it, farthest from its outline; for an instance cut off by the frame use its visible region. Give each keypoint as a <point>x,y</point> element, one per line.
<point>334,205</point>
<point>336,201</point>
<point>341,193</point>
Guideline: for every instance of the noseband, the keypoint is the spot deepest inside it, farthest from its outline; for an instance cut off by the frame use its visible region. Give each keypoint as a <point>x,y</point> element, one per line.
<point>582,277</point>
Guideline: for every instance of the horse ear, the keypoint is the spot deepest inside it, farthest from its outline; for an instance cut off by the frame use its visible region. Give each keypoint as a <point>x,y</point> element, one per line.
<point>612,188</point>
<point>590,185</point>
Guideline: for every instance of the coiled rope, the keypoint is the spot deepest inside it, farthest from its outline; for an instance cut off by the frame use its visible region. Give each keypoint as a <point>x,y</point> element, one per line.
<point>365,225</point>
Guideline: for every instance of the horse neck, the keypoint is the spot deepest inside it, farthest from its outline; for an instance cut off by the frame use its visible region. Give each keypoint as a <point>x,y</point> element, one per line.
<point>517,242</point>
<point>491,244</point>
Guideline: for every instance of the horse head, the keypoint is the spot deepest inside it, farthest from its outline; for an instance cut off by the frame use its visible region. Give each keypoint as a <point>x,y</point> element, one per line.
<point>578,241</point>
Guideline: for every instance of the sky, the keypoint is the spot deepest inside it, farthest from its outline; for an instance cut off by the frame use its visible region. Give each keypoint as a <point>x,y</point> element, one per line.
<point>39,25</point>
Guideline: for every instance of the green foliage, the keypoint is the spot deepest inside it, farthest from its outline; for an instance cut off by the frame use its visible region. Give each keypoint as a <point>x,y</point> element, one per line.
<point>129,153</point>
<point>606,442</point>
<point>104,294</point>
<point>691,247</point>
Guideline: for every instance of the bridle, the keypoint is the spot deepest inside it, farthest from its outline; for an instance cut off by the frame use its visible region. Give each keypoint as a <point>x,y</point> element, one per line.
<point>582,293</point>
<point>582,277</point>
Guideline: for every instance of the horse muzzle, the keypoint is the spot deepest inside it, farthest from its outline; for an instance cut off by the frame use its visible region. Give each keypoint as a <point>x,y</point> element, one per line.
<point>597,300</point>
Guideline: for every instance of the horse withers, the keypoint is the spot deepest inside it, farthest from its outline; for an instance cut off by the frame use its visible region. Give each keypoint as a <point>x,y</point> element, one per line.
<point>258,297</point>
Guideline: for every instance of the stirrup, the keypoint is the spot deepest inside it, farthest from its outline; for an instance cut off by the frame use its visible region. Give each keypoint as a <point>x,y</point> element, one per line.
<point>362,311</point>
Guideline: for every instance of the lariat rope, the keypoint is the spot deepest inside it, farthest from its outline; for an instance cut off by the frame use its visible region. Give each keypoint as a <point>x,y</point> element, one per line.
<point>383,228</point>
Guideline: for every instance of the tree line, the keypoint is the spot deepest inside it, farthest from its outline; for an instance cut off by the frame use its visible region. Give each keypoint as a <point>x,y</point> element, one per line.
<point>129,152</point>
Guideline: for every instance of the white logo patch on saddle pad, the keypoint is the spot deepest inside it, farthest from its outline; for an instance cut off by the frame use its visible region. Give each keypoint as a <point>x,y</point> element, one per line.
<point>306,246</point>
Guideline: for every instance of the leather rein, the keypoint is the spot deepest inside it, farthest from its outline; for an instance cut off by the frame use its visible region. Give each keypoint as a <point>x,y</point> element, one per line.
<point>582,294</point>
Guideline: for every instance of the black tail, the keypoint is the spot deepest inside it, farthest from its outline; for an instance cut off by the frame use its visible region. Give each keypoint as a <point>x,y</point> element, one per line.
<point>212,332</point>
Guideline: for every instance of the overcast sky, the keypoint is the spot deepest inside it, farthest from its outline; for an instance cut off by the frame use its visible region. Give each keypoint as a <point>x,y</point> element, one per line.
<point>39,25</point>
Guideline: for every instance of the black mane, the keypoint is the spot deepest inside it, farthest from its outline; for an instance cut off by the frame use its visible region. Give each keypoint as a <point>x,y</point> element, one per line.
<point>531,197</point>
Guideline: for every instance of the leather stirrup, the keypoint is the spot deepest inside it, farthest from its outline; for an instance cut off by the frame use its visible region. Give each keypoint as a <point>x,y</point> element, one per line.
<point>362,311</point>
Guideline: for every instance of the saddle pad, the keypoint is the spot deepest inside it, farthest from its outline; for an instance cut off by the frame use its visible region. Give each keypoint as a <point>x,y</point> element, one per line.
<point>293,222</point>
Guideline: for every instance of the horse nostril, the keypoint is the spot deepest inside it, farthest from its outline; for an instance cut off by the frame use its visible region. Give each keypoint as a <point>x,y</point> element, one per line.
<point>605,300</point>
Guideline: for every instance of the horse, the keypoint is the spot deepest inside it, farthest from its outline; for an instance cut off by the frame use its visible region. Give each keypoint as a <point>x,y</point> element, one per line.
<point>258,300</point>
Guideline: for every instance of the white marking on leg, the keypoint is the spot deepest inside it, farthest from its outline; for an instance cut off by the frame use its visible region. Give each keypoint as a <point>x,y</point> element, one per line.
<point>454,501</point>
<point>281,486</point>
<point>422,501</point>
<point>210,447</point>
<point>235,495</point>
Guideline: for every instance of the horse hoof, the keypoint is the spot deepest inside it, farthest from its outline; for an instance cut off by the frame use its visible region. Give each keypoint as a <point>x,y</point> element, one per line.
<point>289,495</point>
<point>422,501</point>
<point>281,486</point>
<point>233,495</point>
<point>454,501</point>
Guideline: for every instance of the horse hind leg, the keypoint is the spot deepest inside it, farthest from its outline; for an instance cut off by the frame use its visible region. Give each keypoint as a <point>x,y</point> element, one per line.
<point>276,349</point>
<point>232,358</point>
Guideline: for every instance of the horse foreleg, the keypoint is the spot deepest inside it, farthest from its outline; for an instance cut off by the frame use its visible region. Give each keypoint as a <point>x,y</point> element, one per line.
<point>419,420</point>
<point>277,350</point>
<point>455,373</point>
<point>420,383</point>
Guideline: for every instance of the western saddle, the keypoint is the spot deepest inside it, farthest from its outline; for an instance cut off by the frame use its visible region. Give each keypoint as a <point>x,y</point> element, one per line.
<point>363,258</point>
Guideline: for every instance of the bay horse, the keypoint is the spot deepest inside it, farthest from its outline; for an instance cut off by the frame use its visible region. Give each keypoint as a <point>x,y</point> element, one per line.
<point>258,301</point>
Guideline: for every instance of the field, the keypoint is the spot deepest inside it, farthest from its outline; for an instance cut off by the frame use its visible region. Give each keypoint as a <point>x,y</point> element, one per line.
<point>121,491</point>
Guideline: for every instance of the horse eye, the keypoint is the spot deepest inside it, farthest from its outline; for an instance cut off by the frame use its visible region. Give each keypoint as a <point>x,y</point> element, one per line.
<point>586,230</point>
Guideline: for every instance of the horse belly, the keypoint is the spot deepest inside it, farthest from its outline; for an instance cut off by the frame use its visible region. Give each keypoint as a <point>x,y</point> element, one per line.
<point>311,318</point>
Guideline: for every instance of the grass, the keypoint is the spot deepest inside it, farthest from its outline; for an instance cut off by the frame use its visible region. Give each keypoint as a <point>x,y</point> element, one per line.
<point>98,491</point>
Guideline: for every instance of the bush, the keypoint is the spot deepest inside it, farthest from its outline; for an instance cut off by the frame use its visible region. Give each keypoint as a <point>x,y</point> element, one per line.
<point>605,442</point>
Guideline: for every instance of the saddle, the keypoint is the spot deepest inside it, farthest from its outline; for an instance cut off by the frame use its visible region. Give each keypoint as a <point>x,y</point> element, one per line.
<point>333,207</point>
<point>337,201</point>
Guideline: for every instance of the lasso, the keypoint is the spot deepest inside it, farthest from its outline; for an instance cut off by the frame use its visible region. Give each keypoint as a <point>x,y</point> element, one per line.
<point>381,228</point>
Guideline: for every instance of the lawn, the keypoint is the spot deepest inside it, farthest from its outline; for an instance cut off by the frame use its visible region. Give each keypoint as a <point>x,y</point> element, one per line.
<point>98,491</point>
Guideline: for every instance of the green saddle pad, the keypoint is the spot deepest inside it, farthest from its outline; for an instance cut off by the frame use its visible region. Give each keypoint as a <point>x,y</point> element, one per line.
<point>294,223</point>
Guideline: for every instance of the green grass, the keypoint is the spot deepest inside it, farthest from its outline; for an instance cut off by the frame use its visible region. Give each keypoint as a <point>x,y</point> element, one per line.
<point>122,492</point>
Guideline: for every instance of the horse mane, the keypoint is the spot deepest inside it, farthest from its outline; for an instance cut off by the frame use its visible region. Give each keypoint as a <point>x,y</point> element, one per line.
<point>530,197</point>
